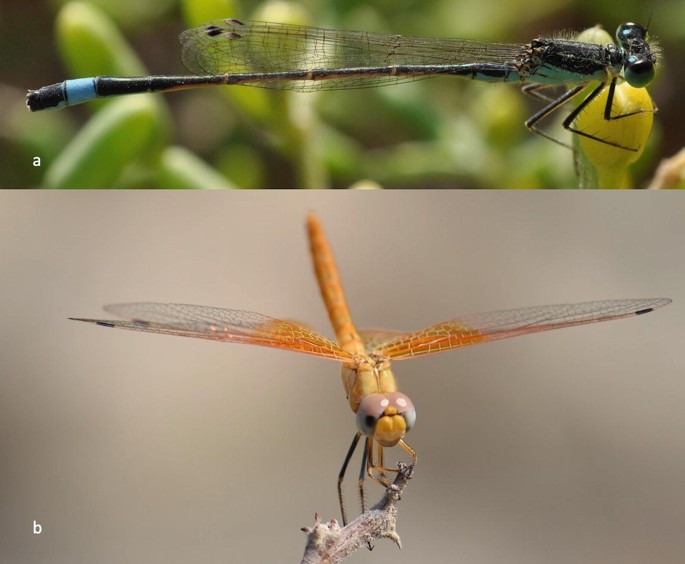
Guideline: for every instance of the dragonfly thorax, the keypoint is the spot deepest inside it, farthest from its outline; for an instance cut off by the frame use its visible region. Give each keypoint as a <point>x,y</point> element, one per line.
<point>367,376</point>
<point>382,412</point>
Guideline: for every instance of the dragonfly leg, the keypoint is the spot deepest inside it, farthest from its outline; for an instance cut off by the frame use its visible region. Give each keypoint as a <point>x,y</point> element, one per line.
<point>366,460</point>
<point>384,479</point>
<point>341,475</point>
<point>410,451</point>
<point>374,468</point>
<point>379,473</point>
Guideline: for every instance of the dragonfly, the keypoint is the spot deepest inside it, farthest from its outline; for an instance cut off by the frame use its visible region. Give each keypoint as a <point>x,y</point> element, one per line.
<point>295,57</point>
<point>383,414</point>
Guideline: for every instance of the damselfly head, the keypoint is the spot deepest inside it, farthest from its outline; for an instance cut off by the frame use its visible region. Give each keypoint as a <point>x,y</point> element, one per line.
<point>641,58</point>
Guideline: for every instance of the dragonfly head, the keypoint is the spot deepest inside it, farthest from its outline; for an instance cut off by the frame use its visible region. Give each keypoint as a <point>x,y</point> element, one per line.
<point>386,417</point>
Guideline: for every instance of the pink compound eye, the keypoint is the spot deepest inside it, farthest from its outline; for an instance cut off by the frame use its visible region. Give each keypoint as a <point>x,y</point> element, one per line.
<point>369,412</point>
<point>404,407</point>
<point>373,406</point>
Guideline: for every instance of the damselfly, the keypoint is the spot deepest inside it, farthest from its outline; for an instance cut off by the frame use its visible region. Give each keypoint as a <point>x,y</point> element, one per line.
<point>272,55</point>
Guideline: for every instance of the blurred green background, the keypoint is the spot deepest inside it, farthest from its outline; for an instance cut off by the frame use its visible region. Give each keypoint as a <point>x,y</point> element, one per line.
<point>439,133</point>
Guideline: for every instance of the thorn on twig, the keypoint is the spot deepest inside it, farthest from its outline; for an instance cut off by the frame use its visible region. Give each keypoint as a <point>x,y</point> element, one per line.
<point>328,543</point>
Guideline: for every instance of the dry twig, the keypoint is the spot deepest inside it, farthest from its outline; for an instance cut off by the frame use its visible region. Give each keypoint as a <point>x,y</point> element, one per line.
<point>327,543</point>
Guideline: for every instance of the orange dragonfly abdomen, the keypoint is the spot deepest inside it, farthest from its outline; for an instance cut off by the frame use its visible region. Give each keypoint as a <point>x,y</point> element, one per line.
<point>331,289</point>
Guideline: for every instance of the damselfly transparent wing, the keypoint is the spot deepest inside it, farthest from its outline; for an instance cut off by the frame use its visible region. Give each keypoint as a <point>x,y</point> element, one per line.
<point>231,46</point>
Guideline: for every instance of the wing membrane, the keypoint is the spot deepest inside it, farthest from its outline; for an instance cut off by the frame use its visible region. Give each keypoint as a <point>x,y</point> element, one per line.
<point>218,324</point>
<point>232,47</point>
<point>373,338</point>
<point>486,327</point>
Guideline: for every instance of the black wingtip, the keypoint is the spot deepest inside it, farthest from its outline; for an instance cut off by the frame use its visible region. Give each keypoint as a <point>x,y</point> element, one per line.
<point>95,321</point>
<point>656,304</point>
<point>643,311</point>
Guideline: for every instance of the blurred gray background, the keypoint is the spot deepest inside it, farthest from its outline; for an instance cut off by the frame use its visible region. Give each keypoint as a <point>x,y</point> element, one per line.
<point>562,447</point>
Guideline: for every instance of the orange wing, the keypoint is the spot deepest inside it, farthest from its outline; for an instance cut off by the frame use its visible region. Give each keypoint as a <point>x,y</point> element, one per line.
<point>218,324</point>
<point>486,327</point>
